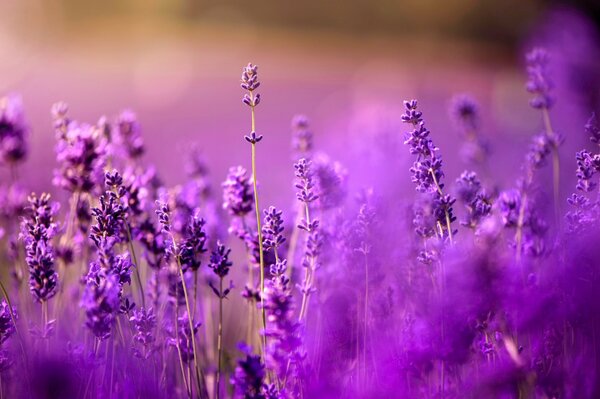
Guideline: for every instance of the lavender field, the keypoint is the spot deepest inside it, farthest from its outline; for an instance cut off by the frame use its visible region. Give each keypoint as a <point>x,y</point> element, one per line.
<point>304,227</point>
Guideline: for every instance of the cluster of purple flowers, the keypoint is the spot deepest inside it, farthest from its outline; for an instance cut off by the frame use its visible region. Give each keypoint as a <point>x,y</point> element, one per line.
<point>350,293</point>
<point>37,231</point>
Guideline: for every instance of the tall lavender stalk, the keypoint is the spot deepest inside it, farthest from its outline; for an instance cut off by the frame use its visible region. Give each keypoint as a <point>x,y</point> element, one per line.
<point>250,83</point>
<point>427,169</point>
<point>306,195</point>
<point>38,230</point>
<point>540,85</point>
<point>302,147</point>
<point>220,264</point>
<point>174,249</point>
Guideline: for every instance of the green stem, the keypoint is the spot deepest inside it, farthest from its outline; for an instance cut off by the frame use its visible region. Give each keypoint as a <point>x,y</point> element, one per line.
<point>219,340</point>
<point>185,383</point>
<point>191,323</point>
<point>258,226</point>
<point>555,164</point>
<point>136,264</point>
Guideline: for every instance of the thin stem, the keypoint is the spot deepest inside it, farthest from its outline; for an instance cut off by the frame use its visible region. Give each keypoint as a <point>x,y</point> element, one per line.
<point>219,339</point>
<point>258,226</point>
<point>191,323</point>
<point>291,253</point>
<point>187,387</point>
<point>195,291</point>
<point>89,381</point>
<point>439,190</point>
<point>555,163</point>
<point>519,232</point>
<point>366,317</point>
<point>136,264</point>
<point>308,274</point>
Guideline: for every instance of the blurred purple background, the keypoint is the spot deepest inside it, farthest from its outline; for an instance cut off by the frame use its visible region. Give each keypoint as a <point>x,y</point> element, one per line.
<point>347,65</point>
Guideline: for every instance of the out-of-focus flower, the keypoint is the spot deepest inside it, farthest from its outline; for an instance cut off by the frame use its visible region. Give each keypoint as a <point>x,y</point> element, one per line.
<point>238,195</point>
<point>539,83</point>
<point>14,131</point>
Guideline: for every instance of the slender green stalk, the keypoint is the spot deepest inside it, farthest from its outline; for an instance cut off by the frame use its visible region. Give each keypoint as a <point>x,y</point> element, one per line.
<point>219,341</point>
<point>308,274</point>
<point>366,315</point>
<point>258,227</point>
<point>176,326</point>
<point>92,372</point>
<point>291,253</point>
<point>191,323</point>
<point>439,190</point>
<point>555,165</point>
<point>136,264</point>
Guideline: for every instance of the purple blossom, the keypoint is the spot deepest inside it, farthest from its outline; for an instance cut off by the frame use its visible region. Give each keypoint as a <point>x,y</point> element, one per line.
<point>477,202</point>
<point>14,131</point>
<point>238,195</point>
<point>110,216</point>
<point>539,83</point>
<point>101,303</point>
<point>283,329</point>
<point>250,83</point>
<point>305,184</point>
<point>193,244</point>
<point>302,137</point>
<point>144,323</point>
<point>80,154</point>
<point>587,166</point>
<point>272,229</point>
<point>427,169</point>
<point>331,182</point>
<point>464,112</point>
<point>219,261</point>
<point>129,132</point>
<point>7,327</point>
<point>248,377</point>
<point>509,204</point>
<point>185,335</point>
<point>592,129</point>
<point>37,230</point>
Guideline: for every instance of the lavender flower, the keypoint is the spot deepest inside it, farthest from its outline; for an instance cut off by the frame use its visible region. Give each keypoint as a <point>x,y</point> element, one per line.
<point>509,204</point>
<point>283,329</point>
<point>37,231</point>
<point>427,169</point>
<point>238,195</point>
<point>101,303</point>
<point>80,153</point>
<point>273,229</point>
<point>7,327</point>
<point>14,131</point>
<point>331,182</point>
<point>305,183</point>
<point>110,217</point>
<point>539,83</point>
<point>476,200</point>
<point>186,334</point>
<point>129,132</point>
<point>587,166</point>
<point>144,323</point>
<point>250,83</point>
<point>219,261</point>
<point>302,137</point>
<point>464,112</point>
<point>248,378</point>
<point>193,244</point>
<point>592,129</point>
